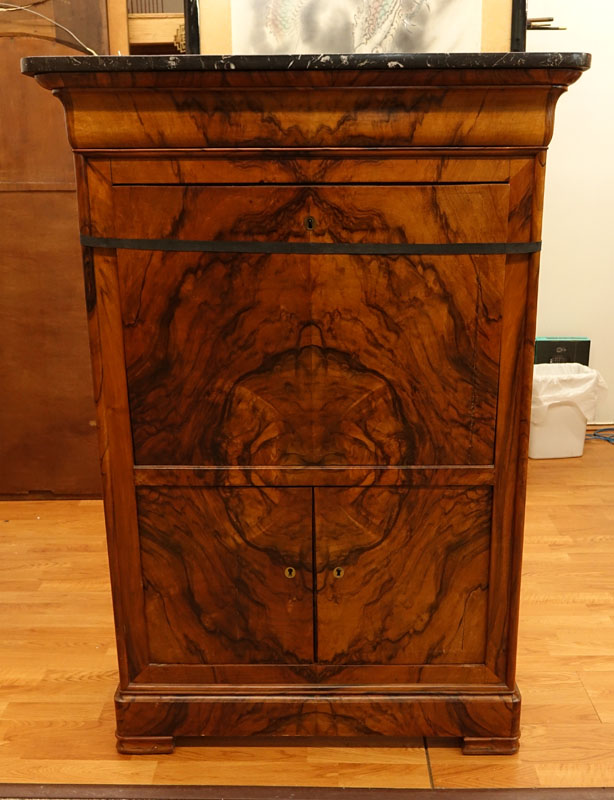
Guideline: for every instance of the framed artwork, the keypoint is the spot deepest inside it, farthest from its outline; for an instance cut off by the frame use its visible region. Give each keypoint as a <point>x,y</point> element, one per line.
<point>356,26</point>
<point>268,27</point>
<point>519,25</point>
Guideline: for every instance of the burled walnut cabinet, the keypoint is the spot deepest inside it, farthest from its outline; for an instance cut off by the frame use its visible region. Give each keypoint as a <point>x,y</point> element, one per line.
<point>311,286</point>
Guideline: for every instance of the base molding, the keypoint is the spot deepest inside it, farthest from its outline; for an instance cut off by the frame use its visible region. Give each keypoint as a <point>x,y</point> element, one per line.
<point>145,745</point>
<point>488,723</point>
<point>490,746</point>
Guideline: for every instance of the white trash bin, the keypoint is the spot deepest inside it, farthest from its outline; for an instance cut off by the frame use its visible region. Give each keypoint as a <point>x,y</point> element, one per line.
<point>564,398</point>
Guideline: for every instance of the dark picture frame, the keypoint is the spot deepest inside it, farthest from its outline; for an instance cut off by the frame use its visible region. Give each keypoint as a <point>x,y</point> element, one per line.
<point>192,26</point>
<point>519,26</point>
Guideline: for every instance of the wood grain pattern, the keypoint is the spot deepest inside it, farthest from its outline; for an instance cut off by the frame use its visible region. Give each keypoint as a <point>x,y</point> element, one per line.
<point>386,214</point>
<point>410,475</point>
<point>300,166</point>
<point>360,419</point>
<point>393,116</point>
<point>305,360</point>
<point>214,569</point>
<point>415,566</point>
<point>367,715</point>
<point>311,679</point>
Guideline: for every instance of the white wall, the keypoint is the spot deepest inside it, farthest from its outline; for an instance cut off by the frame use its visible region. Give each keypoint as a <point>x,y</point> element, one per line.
<point>577,263</point>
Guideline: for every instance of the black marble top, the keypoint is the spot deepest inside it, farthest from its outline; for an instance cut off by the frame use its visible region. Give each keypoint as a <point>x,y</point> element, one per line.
<point>41,64</point>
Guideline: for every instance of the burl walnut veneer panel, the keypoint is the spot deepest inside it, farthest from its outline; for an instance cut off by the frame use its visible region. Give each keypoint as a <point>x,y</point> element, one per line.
<point>402,575</point>
<point>227,575</point>
<point>311,298</point>
<point>288,360</point>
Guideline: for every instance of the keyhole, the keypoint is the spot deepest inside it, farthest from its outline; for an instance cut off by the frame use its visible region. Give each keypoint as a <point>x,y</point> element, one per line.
<point>310,223</point>
<point>339,572</point>
<point>290,572</point>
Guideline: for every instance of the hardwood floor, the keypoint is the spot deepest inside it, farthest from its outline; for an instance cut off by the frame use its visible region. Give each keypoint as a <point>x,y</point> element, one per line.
<point>57,659</point>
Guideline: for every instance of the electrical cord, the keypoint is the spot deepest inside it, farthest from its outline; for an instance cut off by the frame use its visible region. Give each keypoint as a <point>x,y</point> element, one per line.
<point>13,7</point>
<point>604,434</point>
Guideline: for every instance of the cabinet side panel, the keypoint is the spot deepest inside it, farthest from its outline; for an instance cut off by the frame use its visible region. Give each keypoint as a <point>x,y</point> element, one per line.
<point>537,181</point>
<point>116,458</point>
<point>517,343</point>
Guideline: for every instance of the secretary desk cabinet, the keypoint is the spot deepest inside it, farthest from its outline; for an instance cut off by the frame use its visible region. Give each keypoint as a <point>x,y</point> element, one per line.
<point>311,287</point>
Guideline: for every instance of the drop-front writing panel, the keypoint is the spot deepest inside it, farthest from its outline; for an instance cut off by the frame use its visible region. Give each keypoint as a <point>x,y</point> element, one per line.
<point>305,359</point>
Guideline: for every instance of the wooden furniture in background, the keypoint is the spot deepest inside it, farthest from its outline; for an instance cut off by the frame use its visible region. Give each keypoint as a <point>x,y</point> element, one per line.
<point>47,425</point>
<point>312,298</point>
<point>144,26</point>
<point>117,14</point>
<point>151,29</point>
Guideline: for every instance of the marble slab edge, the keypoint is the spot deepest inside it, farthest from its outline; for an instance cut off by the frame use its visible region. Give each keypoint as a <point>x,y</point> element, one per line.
<point>354,61</point>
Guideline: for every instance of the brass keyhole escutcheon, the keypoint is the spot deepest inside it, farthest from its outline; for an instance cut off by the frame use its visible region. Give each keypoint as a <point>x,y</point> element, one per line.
<point>310,223</point>
<point>290,572</point>
<point>338,572</point>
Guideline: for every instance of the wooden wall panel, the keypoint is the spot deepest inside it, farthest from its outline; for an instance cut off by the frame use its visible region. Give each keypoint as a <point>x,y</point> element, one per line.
<point>46,419</point>
<point>86,19</point>
<point>33,147</point>
<point>46,422</point>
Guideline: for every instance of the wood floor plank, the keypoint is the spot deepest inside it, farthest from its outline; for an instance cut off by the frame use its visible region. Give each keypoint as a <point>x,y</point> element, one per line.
<point>58,669</point>
<point>566,635</point>
<point>302,766</point>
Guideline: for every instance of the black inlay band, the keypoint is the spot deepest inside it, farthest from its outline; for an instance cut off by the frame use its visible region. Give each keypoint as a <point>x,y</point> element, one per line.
<point>324,248</point>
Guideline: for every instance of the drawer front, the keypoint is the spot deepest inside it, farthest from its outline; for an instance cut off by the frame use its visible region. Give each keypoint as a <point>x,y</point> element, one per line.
<point>325,116</point>
<point>227,575</point>
<point>435,214</point>
<point>402,575</point>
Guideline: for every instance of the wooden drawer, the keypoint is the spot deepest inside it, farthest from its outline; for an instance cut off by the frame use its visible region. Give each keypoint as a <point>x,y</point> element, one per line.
<point>431,214</point>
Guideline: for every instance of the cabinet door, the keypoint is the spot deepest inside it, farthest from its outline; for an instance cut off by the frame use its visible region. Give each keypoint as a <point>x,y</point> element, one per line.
<point>402,575</point>
<point>227,575</point>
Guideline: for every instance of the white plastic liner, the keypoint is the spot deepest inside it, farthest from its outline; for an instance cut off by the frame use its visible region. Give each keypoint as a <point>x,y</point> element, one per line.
<point>555,384</point>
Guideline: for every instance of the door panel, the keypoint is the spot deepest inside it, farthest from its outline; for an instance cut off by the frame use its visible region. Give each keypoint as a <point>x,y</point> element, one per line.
<point>305,360</point>
<point>214,567</point>
<point>402,575</point>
